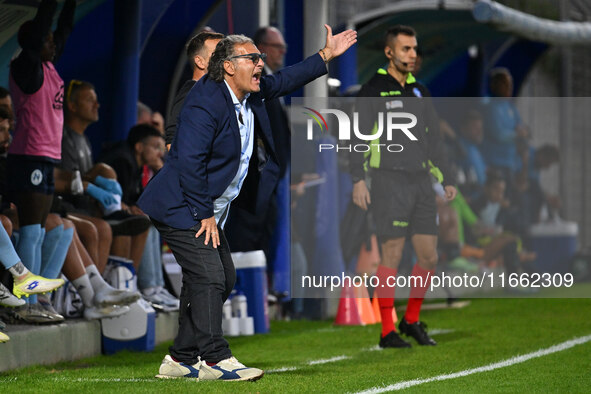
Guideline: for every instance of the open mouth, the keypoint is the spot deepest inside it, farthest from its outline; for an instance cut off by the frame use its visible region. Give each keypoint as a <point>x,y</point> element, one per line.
<point>256,77</point>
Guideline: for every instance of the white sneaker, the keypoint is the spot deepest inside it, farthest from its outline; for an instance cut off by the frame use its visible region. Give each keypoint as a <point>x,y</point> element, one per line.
<point>229,369</point>
<point>160,299</point>
<point>9,299</point>
<point>96,312</point>
<point>171,300</point>
<point>34,313</point>
<point>109,296</point>
<point>170,369</point>
<point>45,304</point>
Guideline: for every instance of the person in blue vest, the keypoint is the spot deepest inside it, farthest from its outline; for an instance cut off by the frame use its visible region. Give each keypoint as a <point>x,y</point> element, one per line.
<point>223,135</point>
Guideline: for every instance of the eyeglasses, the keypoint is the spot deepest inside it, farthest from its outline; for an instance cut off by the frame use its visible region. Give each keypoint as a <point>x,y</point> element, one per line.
<point>255,57</point>
<point>275,45</point>
<point>73,82</point>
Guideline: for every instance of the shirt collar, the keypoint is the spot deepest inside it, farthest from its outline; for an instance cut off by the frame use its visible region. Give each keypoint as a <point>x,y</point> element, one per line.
<point>235,100</point>
<point>409,78</point>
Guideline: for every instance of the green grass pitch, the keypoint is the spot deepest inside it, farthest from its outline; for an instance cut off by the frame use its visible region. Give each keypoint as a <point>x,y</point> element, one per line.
<point>304,356</point>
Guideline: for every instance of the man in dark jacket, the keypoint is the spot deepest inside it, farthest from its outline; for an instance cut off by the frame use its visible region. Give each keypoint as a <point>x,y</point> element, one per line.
<point>199,50</point>
<point>223,135</point>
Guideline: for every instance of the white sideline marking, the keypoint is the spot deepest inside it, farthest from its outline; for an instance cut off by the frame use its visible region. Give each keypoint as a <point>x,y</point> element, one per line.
<point>328,360</point>
<point>501,364</point>
<point>282,369</point>
<point>312,362</point>
<point>440,331</point>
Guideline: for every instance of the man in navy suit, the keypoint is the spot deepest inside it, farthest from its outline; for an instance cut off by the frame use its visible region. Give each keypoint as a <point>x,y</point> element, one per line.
<point>223,135</point>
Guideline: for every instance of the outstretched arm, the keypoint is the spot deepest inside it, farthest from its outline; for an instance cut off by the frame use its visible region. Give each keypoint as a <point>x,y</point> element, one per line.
<point>294,77</point>
<point>65,25</point>
<point>337,45</point>
<point>27,68</point>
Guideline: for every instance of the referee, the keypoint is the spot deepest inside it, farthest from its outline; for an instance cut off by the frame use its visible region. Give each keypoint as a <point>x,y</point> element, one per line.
<point>402,197</point>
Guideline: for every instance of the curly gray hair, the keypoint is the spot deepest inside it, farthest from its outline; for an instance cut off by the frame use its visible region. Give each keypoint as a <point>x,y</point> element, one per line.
<point>223,51</point>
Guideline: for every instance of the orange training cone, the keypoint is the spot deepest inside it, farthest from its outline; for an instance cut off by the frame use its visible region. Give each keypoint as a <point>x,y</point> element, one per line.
<point>364,305</point>
<point>376,309</point>
<point>348,314</point>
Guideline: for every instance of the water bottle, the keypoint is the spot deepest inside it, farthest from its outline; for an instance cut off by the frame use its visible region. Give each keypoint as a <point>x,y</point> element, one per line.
<point>239,306</point>
<point>230,325</point>
<point>76,187</point>
<point>544,214</point>
<point>227,310</point>
<point>240,312</point>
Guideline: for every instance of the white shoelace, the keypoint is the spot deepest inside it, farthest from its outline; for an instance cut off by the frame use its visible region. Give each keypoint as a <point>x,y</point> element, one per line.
<point>234,362</point>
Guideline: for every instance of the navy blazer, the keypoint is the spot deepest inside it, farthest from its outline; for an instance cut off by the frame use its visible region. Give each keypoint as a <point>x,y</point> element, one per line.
<point>205,154</point>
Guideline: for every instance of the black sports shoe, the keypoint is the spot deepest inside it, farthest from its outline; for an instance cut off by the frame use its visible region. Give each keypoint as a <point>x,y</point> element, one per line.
<point>123,223</point>
<point>417,331</point>
<point>393,340</point>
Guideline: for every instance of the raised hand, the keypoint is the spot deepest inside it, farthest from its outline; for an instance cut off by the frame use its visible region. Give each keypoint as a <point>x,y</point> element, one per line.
<point>337,45</point>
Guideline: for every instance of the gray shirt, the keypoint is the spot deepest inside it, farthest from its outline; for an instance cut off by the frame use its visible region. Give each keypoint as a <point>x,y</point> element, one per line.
<point>76,152</point>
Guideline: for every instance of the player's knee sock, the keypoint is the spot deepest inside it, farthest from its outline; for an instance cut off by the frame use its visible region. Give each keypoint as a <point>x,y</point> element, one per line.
<point>26,247</point>
<point>54,265</point>
<point>385,296</point>
<point>49,245</point>
<point>417,294</point>
<point>37,268</point>
<point>29,238</point>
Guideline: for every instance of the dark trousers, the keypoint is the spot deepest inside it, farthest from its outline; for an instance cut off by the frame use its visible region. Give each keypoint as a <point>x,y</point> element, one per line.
<point>208,279</point>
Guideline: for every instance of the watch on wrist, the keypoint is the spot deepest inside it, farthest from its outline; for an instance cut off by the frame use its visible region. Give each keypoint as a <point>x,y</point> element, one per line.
<point>356,178</point>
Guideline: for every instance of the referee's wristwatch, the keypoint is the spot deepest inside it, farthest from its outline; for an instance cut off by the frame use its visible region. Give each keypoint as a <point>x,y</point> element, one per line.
<point>356,178</point>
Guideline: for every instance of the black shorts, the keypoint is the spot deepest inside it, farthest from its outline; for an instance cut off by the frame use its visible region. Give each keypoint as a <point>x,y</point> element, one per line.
<point>403,204</point>
<point>30,174</point>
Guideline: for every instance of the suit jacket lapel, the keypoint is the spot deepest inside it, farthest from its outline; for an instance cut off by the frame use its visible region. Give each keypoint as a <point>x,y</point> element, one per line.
<point>232,113</point>
<point>260,113</point>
